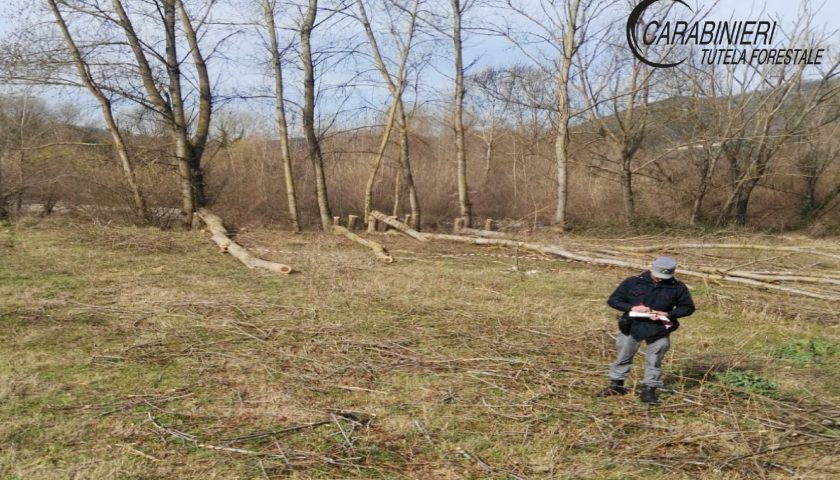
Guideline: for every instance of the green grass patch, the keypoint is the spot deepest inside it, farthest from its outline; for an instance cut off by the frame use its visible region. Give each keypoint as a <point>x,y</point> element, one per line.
<point>749,382</point>
<point>806,352</point>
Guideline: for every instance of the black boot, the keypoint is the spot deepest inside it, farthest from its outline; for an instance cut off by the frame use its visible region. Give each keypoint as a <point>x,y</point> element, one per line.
<point>648,395</point>
<point>616,387</point>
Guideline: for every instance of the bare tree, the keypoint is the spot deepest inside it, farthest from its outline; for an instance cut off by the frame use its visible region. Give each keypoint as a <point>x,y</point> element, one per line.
<point>397,113</point>
<point>269,7</point>
<point>813,158</point>
<point>458,9</point>
<point>487,111</point>
<point>781,106</point>
<point>558,30</point>
<point>312,140</point>
<point>107,113</point>
<point>617,92</point>
<point>189,142</point>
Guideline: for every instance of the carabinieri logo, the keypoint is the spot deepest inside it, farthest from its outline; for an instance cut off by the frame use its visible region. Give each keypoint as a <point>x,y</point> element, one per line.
<point>722,42</point>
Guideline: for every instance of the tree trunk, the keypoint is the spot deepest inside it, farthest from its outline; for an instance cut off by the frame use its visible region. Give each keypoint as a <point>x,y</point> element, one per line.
<point>4,211</point>
<point>709,165</point>
<point>183,150</point>
<point>280,109</point>
<point>312,141</point>
<point>736,207</point>
<point>397,190</point>
<point>810,176</point>
<point>458,120</point>
<point>395,86</point>
<point>405,165</point>
<point>171,109</point>
<point>198,141</point>
<point>20,186</point>
<point>561,143</point>
<point>561,146</point>
<point>488,156</point>
<point>627,191</point>
<point>822,206</point>
<point>196,176</point>
<point>185,182</point>
<point>377,160</point>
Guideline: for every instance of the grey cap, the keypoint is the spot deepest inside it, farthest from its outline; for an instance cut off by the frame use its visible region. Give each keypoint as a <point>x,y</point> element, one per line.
<point>663,267</point>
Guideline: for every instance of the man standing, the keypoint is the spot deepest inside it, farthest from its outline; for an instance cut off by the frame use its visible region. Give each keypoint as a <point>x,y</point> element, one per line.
<point>651,304</point>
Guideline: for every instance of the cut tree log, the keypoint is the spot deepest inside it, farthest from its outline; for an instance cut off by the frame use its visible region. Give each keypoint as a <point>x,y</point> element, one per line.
<point>219,236</point>
<point>484,233</point>
<point>771,277</point>
<point>614,262</point>
<point>351,222</point>
<point>371,225</point>
<point>378,249</point>
<point>393,222</point>
<point>747,246</point>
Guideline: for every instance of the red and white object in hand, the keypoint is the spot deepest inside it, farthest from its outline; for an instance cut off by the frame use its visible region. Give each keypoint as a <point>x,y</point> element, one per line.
<point>651,315</point>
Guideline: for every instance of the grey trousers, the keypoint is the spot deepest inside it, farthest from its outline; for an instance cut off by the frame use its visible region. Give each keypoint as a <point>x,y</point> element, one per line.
<point>627,347</point>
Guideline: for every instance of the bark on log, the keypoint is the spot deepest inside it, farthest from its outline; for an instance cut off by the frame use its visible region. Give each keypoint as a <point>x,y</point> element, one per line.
<point>560,252</point>
<point>378,249</point>
<point>219,236</point>
<point>393,222</point>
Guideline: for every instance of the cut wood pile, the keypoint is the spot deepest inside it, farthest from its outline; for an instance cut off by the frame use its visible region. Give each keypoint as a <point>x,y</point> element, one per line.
<point>802,281</point>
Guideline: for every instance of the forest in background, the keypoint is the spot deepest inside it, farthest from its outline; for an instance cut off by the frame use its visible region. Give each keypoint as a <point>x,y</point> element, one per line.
<point>570,130</point>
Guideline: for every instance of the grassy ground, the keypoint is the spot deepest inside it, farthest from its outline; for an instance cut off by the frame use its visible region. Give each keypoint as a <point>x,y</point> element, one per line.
<point>132,353</point>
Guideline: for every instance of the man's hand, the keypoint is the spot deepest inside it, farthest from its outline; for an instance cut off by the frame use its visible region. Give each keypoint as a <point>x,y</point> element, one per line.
<point>662,317</point>
<point>641,309</point>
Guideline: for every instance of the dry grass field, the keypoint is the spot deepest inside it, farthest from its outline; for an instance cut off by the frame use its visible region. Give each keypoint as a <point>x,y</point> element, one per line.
<point>136,353</point>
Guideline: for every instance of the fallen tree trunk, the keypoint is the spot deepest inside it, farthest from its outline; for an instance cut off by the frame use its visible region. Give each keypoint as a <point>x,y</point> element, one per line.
<point>483,233</point>
<point>613,262</point>
<point>771,278</point>
<point>747,246</point>
<point>219,236</point>
<point>393,222</point>
<point>378,249</point>
<point>783,273</point>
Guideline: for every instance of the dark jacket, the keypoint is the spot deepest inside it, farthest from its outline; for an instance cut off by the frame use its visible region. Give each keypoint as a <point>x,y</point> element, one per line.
<point>669,296</point>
